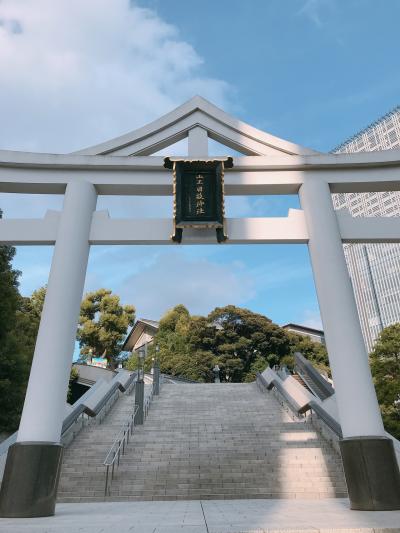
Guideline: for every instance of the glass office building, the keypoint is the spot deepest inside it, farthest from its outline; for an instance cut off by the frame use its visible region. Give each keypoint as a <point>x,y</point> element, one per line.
<point>374,268</point>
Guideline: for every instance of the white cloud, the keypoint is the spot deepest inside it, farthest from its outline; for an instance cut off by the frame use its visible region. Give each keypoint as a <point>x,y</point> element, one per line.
<point>157,278</point>
<point>199,284</point>
<point>259,206</point>
<point>74,73</point>
<point>312,10</point>
<point>279,273</point>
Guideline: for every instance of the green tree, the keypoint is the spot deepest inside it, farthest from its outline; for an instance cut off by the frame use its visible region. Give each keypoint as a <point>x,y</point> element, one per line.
<point>246,342</point>
<point>315,352</point>
<point>179,355</point>
<point>27,323</point>
<point>385,368</point>
<point>103,324</point>
<point>9,295</point>
<point>239,341</point>
<point>16,357</point>
<point>72,378</point>
<point>176,355</point>
<point>12,365</point>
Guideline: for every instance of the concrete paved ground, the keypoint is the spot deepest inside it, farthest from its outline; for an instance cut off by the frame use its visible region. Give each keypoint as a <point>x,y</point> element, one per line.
<point>208,516</point>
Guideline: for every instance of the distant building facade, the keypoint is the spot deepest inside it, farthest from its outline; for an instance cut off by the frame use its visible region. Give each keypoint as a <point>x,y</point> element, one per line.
<point>316,335</point>
<point>374,268</point>
<point>141,335</point>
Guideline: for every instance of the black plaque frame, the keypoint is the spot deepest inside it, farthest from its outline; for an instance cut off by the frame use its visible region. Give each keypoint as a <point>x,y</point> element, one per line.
<point>198,188</point>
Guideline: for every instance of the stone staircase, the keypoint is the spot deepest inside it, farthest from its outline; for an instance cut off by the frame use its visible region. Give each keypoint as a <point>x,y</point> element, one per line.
<point>300,380</point>
<point>206,441</point>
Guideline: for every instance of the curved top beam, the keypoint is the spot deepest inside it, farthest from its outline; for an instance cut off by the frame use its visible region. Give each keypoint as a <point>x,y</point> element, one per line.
<point>49,173</point>
<point>35,160</point>
<point>200,110</point>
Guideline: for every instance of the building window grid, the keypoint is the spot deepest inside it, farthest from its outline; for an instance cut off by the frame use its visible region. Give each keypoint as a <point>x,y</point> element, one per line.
<point>384,285</point>
<point>366,304</point>
<point>387,287</point>
<point>394,282</point>
<point>374,282</point>
<point>362,311</point>
<point>385,258</point>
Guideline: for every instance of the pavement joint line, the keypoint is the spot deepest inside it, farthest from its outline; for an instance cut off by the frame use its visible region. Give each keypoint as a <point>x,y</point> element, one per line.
<point>204,515</point>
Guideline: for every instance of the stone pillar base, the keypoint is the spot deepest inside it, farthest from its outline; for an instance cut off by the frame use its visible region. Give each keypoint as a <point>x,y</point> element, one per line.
<point>30,481</point>
<point>372,473</point>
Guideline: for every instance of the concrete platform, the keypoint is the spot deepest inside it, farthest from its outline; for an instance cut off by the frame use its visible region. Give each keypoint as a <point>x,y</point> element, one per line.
<point>209,516</point>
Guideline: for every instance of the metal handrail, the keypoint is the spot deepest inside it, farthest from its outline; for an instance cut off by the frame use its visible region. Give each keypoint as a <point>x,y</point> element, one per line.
<point>319,386</point>
<point>122,440</point>
<point>101,409</point>
<point>291,402</point>
<point>103,402</point>
<point>326,418</point>
<point>118,448</point>
<point>147,402</point>
<point>312,405</point>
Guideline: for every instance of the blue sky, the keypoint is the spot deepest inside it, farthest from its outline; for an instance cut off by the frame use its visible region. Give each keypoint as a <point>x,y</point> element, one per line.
<point>76,73</point>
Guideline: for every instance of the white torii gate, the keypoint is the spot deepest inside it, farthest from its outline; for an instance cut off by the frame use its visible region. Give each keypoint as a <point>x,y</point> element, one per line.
<point>125,166</point>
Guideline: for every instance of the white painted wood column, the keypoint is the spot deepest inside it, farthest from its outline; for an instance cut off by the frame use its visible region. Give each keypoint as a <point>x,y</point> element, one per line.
<point>44,407</point>
<point>356,399</point>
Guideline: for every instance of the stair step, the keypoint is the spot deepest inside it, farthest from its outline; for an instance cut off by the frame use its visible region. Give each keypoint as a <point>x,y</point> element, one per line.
<point>205,441</point>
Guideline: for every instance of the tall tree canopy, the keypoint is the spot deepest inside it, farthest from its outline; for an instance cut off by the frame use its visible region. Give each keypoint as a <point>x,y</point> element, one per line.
<point>245,342</point>
<point>12,365</point>
<point>239,341</point>
<point>385,367</point>
<point>16,349</point>
<point>179,353</point>
<point>103,323</point>
<point>9,295</point>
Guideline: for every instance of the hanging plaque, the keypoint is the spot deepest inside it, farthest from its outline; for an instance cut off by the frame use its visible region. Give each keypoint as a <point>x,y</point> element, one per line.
<point>198,195</point>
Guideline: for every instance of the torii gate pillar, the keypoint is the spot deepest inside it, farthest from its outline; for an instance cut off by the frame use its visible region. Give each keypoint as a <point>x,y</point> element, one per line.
<point>369,460</point>
<point>33,464</point>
